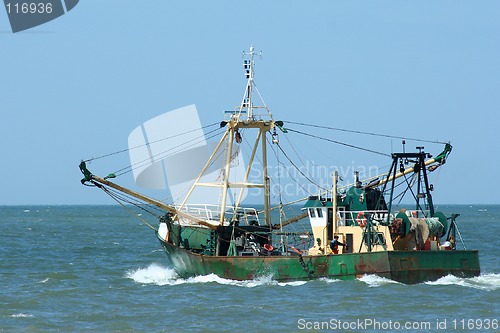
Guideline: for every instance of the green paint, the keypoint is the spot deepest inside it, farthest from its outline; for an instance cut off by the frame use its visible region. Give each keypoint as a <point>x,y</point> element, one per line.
<point>404,266</point>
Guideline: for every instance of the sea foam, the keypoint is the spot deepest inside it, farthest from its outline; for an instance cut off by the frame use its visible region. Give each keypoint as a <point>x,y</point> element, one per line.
<point>373,280</point>
<point>161,276</point>
<point>156,274</point>
<point>489,281</point>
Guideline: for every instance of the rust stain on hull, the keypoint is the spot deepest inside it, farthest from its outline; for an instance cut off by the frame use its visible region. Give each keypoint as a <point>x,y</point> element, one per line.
<point>408,267</point>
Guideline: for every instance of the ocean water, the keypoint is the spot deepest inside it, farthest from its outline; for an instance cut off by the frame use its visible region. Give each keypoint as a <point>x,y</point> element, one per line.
<point>100,269</point>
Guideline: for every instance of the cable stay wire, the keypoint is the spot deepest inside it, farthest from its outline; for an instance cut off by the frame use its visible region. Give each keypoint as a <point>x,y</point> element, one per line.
<point>123,199</point>
<point>167,153</point>
<point>183,191</point>
<point>338,142</point>
<point>298,169</point>
<point>147,144</point>
<point>280,194</point>
<point>365,133</point>
<point>294,150</point>
<point>283,166</point>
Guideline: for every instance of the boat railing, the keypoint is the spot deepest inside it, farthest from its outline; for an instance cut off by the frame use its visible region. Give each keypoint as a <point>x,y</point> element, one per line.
<point>211,213</point>
<point>201,211</point>
<point>348,217</point>
<point>248,215</point>
<point>258,112</point>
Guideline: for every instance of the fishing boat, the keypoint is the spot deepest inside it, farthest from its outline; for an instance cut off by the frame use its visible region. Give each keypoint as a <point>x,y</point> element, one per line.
<point>353,230</point>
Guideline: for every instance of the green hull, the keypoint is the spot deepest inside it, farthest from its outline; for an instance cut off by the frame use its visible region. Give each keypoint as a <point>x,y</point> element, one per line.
<point>407,267</point>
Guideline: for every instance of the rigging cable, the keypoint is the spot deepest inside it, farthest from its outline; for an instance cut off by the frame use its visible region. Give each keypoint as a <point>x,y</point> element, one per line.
<point>281,205</point>
<point>295,151</point>
<point>116,198</point>
<point>402,194</point>
<point>291,177</point>
<point>338,142</point>
<point>364,133</point>
<point>298,169</point>
<point>282,213</point>
<point>410,188</point>
<point>166,153</point>
<point>134,201</point>
<point>147,144</point>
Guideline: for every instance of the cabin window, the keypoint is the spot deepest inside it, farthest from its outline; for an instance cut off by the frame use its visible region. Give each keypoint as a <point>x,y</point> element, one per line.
<point>341,216</point>
<point>320,212</point>
<point>311,212</point>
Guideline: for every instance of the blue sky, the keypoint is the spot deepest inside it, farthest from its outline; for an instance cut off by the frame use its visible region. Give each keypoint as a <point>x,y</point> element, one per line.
<point>76,87</point>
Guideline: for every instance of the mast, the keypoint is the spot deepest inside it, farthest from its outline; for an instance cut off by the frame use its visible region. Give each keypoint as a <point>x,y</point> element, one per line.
<point>334,201</point>
<point>266,179</point>
<point>248,65</point>
<point>263,126</point>
<point>420,169</point>
<point>226,174</point>
<point>246,116</point>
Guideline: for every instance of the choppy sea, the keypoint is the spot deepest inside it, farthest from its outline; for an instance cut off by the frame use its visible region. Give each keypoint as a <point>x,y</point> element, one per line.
<point>100,269</point>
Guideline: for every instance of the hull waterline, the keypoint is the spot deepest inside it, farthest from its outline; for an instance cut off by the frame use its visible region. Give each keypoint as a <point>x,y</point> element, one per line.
<point>409,267</point>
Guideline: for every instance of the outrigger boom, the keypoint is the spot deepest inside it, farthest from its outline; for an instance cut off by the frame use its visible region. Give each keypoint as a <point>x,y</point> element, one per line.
<point>99,182</point>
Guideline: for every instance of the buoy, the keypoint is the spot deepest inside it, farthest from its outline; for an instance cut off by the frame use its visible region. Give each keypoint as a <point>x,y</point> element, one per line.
<point>361,219</point>
<point>268,247</point>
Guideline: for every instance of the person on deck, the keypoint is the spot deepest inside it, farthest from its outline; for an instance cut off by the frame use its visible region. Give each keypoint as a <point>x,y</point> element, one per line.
<point>318,240</point>
<point>334,245</point>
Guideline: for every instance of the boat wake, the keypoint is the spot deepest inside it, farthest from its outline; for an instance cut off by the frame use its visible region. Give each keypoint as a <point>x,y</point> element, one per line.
<point>161,276</point>
<point>373,280</point>
<point>329,280</point>
<point>489,282</point>
<point>164,276</point>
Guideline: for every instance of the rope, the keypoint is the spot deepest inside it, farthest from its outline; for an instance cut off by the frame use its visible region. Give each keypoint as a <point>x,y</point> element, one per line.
<point>365,133</point>
<point>291,177</point>
<point>298,169</point>
<point>166,153</point>
<point>146,144</point>
<point>338,142</point>
<point>149,143</point>
<point>135,202</point>
<point>108,192</point>
<point>294,150</point>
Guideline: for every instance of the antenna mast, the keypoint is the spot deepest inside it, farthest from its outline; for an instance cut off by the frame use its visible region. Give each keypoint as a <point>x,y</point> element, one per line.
<point>248,65</point>
<point>242,118</point>
<point>247,104</point>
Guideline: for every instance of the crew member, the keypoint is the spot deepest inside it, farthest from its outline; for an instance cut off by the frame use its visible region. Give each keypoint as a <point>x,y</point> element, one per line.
<point>334,245</point>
